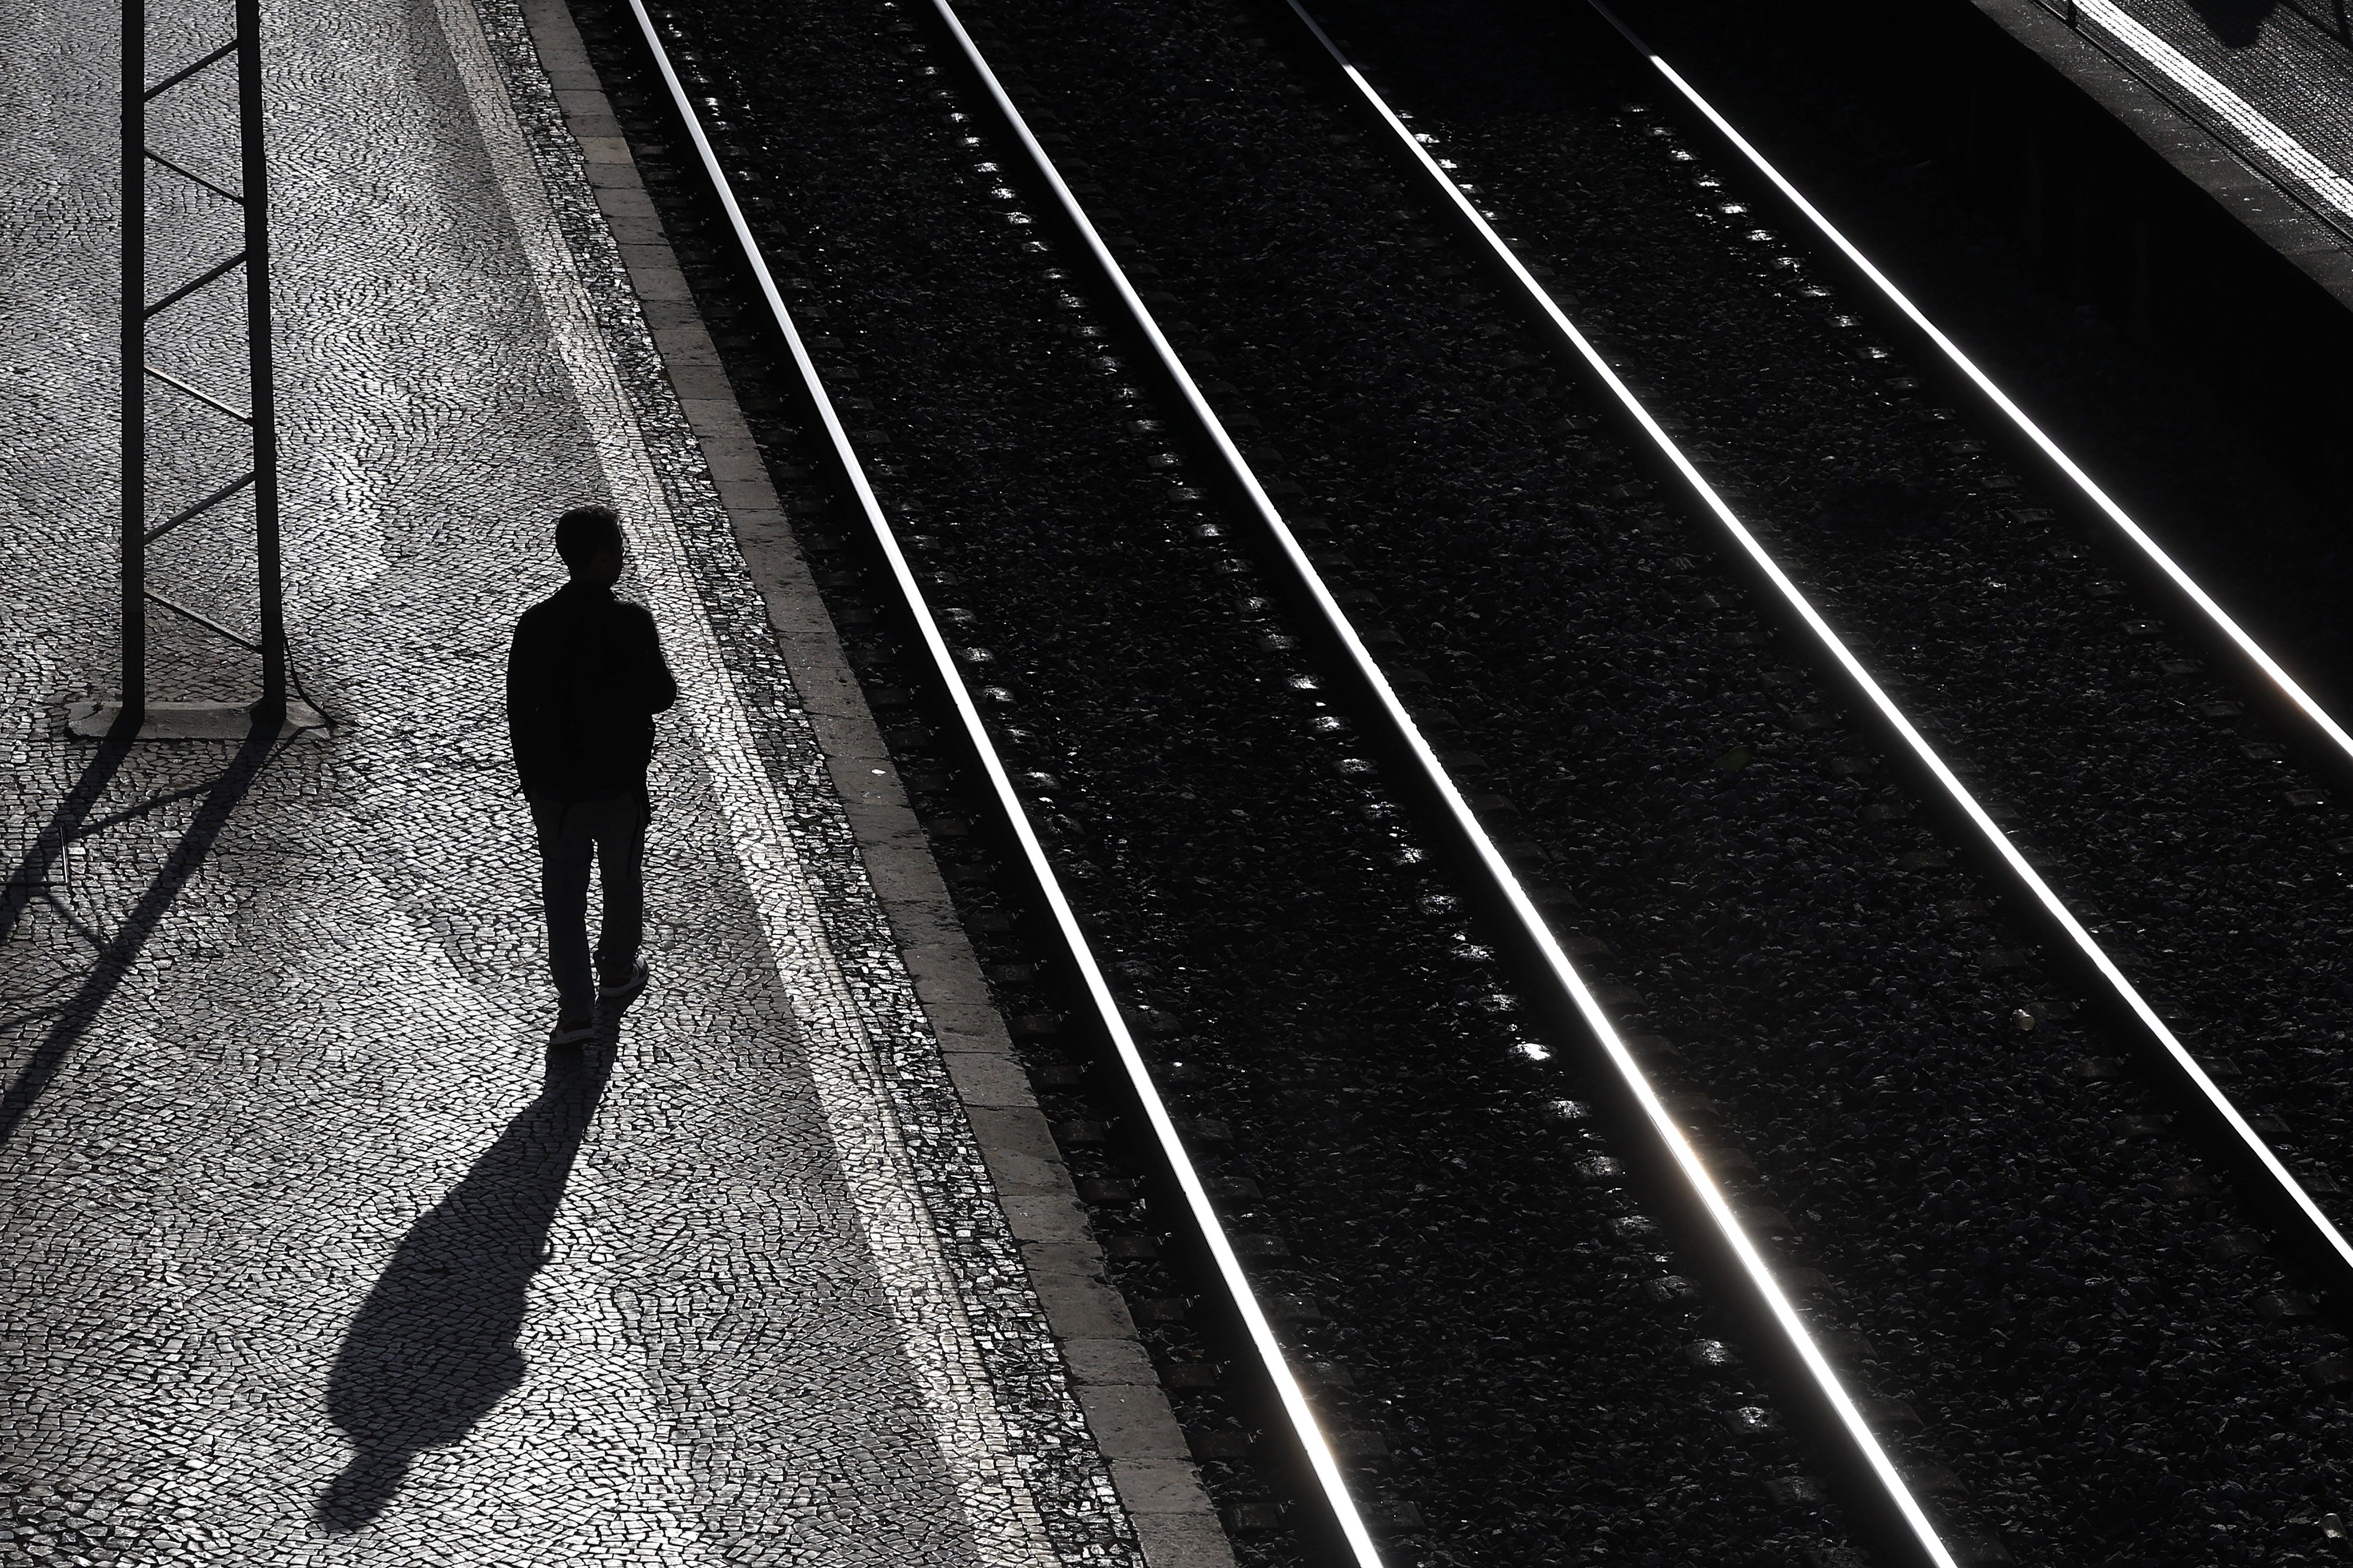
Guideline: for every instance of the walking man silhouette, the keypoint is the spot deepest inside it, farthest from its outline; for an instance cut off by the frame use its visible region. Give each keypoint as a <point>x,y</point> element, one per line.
<point>584,677</point>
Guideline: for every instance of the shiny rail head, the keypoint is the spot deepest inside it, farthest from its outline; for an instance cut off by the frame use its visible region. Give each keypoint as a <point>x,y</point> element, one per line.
<point>1306,1430</point>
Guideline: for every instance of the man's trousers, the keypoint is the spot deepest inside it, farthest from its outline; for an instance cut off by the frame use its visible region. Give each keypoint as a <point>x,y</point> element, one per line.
<point>572,833</point>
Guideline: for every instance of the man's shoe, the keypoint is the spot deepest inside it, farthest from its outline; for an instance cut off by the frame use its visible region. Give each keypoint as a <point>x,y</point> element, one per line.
<point>572,1032</point>
<point>615,991</point>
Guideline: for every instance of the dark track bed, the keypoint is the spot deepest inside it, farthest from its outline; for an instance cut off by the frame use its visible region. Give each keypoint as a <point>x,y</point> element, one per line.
<point>1890,1084</point>
<point>1514,1336</point>
<point>2042,1299</point>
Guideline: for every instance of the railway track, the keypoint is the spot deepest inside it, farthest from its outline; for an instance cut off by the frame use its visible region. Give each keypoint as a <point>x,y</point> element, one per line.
<point>1426,1025</point>
<point>1705,1130</point>
<point>2240,1144</point>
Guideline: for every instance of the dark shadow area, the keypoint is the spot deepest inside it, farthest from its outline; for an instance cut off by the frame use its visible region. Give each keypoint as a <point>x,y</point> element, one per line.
<point>2236,23</point>
<point>115,953</point>
<point>33,873</point>
<point>433,1349</point>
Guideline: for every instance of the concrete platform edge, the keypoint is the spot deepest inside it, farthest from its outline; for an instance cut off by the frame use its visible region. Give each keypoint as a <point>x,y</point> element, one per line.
<point>2252,198</point>
<point>1160,1489</point>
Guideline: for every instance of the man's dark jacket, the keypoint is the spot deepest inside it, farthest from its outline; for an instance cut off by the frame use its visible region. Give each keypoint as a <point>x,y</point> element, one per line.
<point>585,678</point>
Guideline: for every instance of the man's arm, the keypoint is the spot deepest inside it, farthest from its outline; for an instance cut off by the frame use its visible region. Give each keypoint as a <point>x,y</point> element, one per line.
<point>655,683</point>
<point>526,697</point>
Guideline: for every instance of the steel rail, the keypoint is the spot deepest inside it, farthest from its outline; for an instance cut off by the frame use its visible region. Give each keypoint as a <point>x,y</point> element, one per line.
<point>1320,1456</point>
<point>2331,1241</point>
<point>1203,1214</point>
<point>2190,91</point>
<point>2220,619</point>
<point>1501,879</point>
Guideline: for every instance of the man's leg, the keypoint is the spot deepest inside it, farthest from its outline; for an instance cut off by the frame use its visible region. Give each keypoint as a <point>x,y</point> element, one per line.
<point>621,860</point>
<point>566,845</point>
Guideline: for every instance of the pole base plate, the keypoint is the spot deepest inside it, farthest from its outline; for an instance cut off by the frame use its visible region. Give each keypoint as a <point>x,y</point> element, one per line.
<point>93,719</point>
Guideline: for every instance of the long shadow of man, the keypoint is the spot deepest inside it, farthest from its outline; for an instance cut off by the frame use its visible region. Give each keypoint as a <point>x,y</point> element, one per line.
<point>433,1348</point>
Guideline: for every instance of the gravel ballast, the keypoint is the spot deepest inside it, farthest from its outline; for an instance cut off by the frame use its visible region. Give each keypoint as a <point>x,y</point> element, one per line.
<point>2011,1242</point>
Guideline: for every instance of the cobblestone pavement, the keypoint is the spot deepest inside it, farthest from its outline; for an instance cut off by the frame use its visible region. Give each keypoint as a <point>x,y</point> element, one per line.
<point>308,1255</point>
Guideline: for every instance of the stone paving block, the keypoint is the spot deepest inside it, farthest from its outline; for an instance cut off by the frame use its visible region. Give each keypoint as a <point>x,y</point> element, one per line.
<point>697,380</point>
<point>965,1027</point>
<point>676,328</point>
<point>1178,1540</point>
<point>686,343</point>
<point>632,201</point>
<point>1081,1307</point>
<point>948,981</point>
<point>595,125</point>
<point>721,413</point>
<point>742,491</point>
<point>1108,1360</point>
<point>584,106</point>
<point>654,287</point>
<point>643,230</point>
<point>1132,1421</point>
<point>614,176</point>
<point>1161,1486</point>
<point>642,258</point>
<point>1017,1132</point>
<point>1079,1256</point>
<point>1054,1219</point>
<point>988,1082</point>
<point>736,461</point>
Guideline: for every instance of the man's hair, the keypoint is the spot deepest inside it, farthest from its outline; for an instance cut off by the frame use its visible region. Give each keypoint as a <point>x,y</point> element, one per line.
<point>584,530</point>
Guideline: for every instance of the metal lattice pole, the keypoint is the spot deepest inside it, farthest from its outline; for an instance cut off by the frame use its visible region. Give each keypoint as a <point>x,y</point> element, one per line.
<point>259,359</point>
<point>132,713</point>
<point>134,360</point>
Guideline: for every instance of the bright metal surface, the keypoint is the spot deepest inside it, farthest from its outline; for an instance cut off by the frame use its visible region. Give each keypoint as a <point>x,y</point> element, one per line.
<point>1204,1213</point>
<point>2323,1229</point>
<point>1865,1443</point>
<point>207,398</point>
<point>210,624</point>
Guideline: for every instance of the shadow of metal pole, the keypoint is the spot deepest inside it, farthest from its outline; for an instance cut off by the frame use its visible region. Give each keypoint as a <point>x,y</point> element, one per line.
<point>116,956</point>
